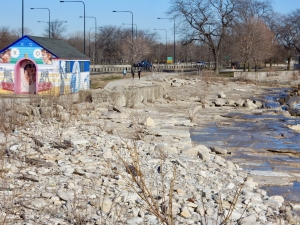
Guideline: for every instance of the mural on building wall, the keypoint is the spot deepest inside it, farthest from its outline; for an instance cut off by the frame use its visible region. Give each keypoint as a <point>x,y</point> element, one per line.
<point>26,67</point>
<point>5,56</point>
<point>26,48</point>
<point>63,76</point>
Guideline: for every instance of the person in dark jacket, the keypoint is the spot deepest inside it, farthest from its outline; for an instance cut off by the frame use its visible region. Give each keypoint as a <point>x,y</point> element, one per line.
<point>139,73</point>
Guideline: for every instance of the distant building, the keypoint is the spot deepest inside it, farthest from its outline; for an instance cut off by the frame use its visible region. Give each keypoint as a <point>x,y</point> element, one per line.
<point>38,65</point>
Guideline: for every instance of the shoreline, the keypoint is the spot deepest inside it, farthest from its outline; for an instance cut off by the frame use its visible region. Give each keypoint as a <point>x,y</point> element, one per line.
<point>67,159</point>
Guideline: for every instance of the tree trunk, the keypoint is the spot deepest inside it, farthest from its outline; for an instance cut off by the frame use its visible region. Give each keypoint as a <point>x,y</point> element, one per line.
<point>216,58</point>
<point>289,63</point>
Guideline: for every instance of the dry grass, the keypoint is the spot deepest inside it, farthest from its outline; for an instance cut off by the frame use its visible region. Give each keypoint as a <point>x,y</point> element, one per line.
<point>100,80</point>
<point>159,202</point>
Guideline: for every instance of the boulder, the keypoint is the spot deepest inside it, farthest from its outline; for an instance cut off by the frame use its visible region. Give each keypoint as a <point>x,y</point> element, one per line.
<point>221,95</point>
<point>249,104</point>
<point>220,102</point>
<point>149,122</point>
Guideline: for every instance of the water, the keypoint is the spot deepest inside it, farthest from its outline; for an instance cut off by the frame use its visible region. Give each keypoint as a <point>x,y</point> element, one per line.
<point>250,137</point>
<point>291,193</point>
<point>255,131</point>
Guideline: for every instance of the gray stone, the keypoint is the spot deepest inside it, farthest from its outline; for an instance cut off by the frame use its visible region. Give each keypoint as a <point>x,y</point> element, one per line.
<point>220,102</point>
<point>221,95</point>
<point>249,104</point>
<point>203,152</point>
<point>248,220</point>
<point>135,221</point>
<point>66,196</point>
<point>219,150</point>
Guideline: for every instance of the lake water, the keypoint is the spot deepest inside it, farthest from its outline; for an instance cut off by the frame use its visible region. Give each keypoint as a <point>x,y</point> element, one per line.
<point>249,136</point>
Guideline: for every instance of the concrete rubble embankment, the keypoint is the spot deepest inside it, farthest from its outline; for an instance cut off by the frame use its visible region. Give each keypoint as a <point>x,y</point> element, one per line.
<point>62,161</point>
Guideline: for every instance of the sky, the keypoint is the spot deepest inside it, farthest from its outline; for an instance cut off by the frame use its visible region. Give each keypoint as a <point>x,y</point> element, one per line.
<point>145,14</point>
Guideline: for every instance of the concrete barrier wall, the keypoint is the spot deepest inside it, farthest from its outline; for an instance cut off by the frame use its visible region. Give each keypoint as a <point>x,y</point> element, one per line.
<point>127,97</point>
<point>279,75</point>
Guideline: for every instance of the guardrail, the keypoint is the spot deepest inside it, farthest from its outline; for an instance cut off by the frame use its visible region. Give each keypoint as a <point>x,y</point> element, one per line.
<point>120,68</point>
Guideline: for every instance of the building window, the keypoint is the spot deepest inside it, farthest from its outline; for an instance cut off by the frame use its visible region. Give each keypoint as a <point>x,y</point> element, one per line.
<point>68,66</point>
<point>81,64</point>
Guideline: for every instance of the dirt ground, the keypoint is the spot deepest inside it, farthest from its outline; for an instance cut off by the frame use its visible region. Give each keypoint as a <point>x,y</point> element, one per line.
<point>100,80</point>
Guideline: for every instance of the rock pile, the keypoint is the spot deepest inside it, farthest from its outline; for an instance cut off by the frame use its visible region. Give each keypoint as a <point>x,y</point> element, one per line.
<point>91,165</point>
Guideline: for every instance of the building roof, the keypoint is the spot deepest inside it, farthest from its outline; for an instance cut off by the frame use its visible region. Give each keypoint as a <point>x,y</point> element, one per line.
<point>59,48</point>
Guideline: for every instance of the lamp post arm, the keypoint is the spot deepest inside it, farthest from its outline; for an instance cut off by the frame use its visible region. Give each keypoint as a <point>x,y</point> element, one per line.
<point>83,22</point>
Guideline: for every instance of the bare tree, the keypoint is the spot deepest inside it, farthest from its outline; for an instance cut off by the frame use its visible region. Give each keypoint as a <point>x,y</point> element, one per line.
<point>248,9</point>
<point>288,35</point>
<point>254,41</point>
<point>57,28</point>
<point>205,21</point>
<point>264,40</point>
<point>18,32</point>
<point>5,37</point>
<point>249,28</point>
<point>109,40</point>
<point>293,22</point>
<point>76,40</point>
<point>137,51</point>
<point>8,36</point>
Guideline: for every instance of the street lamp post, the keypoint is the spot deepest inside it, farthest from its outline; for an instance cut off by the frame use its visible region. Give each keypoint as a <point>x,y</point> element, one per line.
<point>131,33</point>
<point>174,37</point>
<point>135,28</point>
<point>22,18</point>
<point>131,23</point>
<point>90,43</point>
<point>49,17</point>
<point>166,40</point>
<point>83,22</point>
<point>95,36</point>
<point>52,24</point>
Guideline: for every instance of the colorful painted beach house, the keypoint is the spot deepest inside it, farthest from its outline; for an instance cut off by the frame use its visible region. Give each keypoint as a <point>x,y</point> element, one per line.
<point>39,65</point>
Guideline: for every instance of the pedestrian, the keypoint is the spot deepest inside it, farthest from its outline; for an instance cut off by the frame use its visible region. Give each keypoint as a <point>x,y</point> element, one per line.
<point>124,72</point>
<point>139,73</point>
<point>132,73</point>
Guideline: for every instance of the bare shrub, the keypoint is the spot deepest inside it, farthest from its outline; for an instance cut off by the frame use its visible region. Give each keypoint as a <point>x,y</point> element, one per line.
<point>192,111</point>
<point>206,81</point>
<point>158,203</point>
<point>137,125</point>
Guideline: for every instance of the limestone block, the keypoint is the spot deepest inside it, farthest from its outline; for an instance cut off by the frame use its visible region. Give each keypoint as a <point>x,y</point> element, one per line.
<point>249,104</point>
<point>220,102</point>
<point>195,150</point>
<point>248,220</point>
<point>221,95</point>
<point>149,122</point>
<point>203,153</point>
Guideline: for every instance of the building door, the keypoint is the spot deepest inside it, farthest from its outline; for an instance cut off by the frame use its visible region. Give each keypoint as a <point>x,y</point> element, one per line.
<point>26,77</point>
